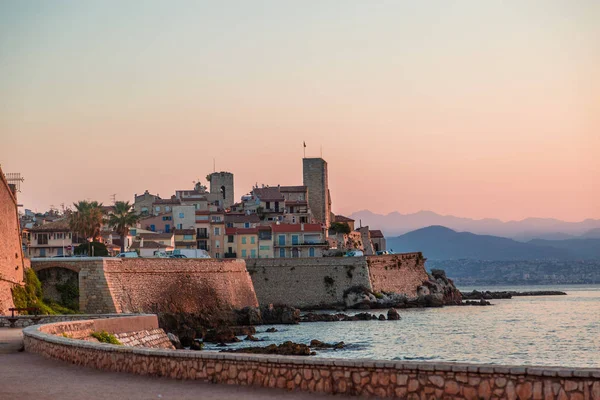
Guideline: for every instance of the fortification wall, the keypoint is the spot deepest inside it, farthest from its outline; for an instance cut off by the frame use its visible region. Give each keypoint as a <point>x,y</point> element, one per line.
<point>11,252</point>
<point>398,273</point>
<point>366,378</point>
<point>111,285</point>
<point>317,282</point>
<point>306,282</point>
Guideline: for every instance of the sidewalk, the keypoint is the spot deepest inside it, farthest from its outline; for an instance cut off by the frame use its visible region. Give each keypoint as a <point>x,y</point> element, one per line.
<point>30,376</point>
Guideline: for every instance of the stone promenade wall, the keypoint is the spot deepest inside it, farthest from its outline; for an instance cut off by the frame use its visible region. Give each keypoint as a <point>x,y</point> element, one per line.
<point>409,380</point>
<point>398,273</point>
<point>124,285</point>
<point>306,282</point>
<point>138,331</point>
<point>317,282</point>
<point>25,321</point>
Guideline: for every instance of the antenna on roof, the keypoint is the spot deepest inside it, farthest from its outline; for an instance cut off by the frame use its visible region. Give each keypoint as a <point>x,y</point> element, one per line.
<point>214,165</point>
<point>114,198</point>
<point>14,178</point>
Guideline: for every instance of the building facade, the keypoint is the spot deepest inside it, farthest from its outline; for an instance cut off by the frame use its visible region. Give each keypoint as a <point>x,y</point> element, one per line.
<point>315,176</point>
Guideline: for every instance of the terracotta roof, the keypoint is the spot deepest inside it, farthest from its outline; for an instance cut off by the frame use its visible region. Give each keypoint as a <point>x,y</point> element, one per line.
<point>241,218</point>
<point>184,231</point>
<point>341,218</point>
<point>294,189</point>
<point>268,194</point>
<point>283,228</point>
<point>241,231</point>
<point>156,235</point>
<point>56,226</point>
<point>376,234</point>
<point>148,244</point>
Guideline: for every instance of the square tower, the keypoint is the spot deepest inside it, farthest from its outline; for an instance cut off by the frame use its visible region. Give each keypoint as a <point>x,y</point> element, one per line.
<point>222,183</point>
<point>314,172</point>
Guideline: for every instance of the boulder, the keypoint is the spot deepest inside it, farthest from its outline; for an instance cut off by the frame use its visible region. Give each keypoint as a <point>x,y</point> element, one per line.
<point>249,316</point>
<point>286,349</point>
<point>221,335</point>
<point>243,330</point>
<point>174,340</point>
<point>279,314</point>
<point>196,345</point>
<point>317,344</point>
<point>393,315</point>
<point>252,338</point>
<point>271,330</point>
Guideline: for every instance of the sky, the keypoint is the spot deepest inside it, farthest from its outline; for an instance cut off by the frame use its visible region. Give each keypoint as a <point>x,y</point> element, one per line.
<point>471,108</point>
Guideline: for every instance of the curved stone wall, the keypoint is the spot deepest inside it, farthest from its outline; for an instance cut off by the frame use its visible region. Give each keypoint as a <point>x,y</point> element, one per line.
<point>412,380</point>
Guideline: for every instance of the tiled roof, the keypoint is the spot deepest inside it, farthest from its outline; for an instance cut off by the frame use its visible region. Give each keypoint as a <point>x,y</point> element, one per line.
<point>241,231</point>
<point>56,226</point>
<point>166,201</point>
<point>184,231</point>
<point>241,218</point>
<point>294,189</point>
<point>268,194</point>
<point>283,228</point>
<point>376,234</point>
<point>341,218</point>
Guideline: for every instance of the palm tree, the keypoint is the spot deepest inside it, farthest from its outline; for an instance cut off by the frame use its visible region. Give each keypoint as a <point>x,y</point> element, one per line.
<point>87,220</point>
<point>121,218</point>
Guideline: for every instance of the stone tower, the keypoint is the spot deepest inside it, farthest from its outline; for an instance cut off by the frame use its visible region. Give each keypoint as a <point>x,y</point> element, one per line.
<point>222,183</point>
<point>314,171</point>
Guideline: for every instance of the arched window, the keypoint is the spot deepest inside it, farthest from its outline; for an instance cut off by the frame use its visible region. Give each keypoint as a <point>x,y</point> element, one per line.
<point>311,252</point>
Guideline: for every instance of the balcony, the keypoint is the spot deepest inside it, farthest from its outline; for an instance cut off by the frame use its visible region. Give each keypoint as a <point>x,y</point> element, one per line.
<point>229,255</point>
<point>202,235</point>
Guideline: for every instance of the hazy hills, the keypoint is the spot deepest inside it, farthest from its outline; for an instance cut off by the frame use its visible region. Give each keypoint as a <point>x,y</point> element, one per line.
<point>441,243</point>
<point>531,228</point>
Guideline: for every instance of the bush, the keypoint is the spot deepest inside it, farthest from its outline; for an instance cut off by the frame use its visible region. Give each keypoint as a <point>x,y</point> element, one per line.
<point>99,249</point>
<point>31,295</point>
<point>105,337</point>
<point>340,227</point>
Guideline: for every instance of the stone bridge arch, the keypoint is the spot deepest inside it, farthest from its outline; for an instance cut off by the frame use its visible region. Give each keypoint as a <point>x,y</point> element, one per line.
<point>60,281</point>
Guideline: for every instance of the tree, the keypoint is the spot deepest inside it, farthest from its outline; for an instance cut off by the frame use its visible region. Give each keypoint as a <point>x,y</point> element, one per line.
<point>121,218</point>
<point>340,227</point>
<point>87,220</point>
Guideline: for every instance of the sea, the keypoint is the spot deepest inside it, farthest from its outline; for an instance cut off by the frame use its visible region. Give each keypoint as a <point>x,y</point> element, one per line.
<point>537,330</point>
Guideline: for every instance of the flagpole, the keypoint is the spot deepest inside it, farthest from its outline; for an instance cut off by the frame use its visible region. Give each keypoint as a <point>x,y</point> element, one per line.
<point>304,148</point>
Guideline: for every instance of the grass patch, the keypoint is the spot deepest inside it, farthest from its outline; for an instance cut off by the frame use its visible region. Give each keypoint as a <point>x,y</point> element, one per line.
<point>105,337</point>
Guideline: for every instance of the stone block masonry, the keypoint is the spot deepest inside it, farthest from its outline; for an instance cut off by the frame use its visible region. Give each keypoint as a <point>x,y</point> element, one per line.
<point>110,285</point>
<point>367,378</point>
<point>319,282</point>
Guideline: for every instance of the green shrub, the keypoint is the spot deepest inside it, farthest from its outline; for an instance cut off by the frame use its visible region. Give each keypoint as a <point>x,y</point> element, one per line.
<point>378,295</point>
<point>105,337</point>
<point>99,249</point>
<point>69,294</point>
<point>31,295</point>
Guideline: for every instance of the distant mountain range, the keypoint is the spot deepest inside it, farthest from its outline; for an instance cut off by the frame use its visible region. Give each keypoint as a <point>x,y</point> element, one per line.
<point>441,243</point>
<point>530,228</point>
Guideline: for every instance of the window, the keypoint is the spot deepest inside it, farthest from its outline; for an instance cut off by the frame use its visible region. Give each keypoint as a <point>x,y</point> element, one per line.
<point>282,253</point>
<point>42,238</point>
<point>229,225</point>
<point>244,253</point>
<point>282,240</point>
<point>311,252</point>
<point>246,224</point>
<point>188,237</point>
<point>144,210</point>
<point>230,239</point>
<point>42,252</point>
<point>217,255</point>
<point>252,240</point>
<point>181,215</point>
<point>157,208</point>
<point>264,248</point>
<point>167,228</point>
<point>152,227</point>
<point>132,232</point>
<point>217,231</point>
<point>253,253</point>
<point>244,240</point>
<point>295,239</point>
<point>217,244</point>
<point>167,208</point>
<point>59,235</point>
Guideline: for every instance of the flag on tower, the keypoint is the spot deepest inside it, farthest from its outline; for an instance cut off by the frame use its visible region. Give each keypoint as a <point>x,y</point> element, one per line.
<point>304,144</point>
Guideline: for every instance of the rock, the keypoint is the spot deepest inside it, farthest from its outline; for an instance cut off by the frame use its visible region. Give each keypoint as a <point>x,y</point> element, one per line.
<point>221,345</point>
<point>393,315</point>
<point>243,330</point>
<point>174,340</point>
<point>221,335</point>
<point>312,317</point>
<point>249,316</point>
<point>279,314</point>
<point>381,317</point>
<point>317,344</point>
<point>196,345</point>
<point>286,349</point>
<point>252,338</point>
<point>271,330</point>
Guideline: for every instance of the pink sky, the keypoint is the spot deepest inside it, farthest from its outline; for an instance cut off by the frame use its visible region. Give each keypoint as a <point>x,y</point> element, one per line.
<point>476,109</point>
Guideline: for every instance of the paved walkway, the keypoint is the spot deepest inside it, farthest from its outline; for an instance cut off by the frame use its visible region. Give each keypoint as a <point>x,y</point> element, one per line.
<point>30,376</point>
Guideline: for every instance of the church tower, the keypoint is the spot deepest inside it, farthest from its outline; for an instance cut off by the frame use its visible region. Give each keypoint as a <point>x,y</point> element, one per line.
<point>314,171</point>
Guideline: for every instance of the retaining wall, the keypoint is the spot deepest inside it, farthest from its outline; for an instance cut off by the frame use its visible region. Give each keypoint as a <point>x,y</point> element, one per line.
<point>25,321</point>
<point>318,282</point>
<point>123,285</point>
<point>412,380</point>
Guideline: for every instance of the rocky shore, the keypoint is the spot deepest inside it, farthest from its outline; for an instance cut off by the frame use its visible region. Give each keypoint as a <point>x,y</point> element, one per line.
<point>489,295</point>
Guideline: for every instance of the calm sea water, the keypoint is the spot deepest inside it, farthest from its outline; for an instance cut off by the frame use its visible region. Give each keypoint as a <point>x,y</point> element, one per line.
<point>548,330</point>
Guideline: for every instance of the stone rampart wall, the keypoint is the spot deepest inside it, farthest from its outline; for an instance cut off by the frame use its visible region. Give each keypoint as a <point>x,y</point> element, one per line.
<point>398,273</point>
<point>11,252</point>
<point>306,282</point>
<point>25,321</point>
<point>123,285</point>
<point>315,282</point>
<point>411,380</point>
